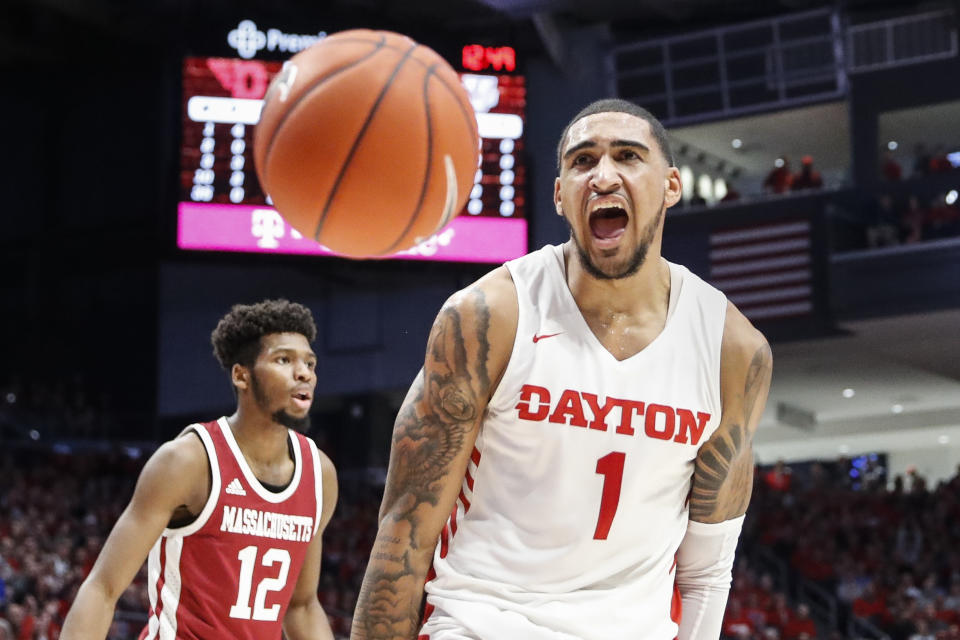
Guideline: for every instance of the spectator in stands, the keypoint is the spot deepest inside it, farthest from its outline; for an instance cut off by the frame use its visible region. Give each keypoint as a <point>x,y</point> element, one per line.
<point>921,160</point>
<point>943,219</point>
<point>883,225</point>
<point>871,606</point>
<point>801,624</point>
<point>938,161</point>
<point>807,177</point>
<point>779,477</point>
<point>780,613</point>
<point>735,621</point>
<point>952,600</point>
<point>850,586</point>
<point>889,168</point>
<point>908,549</point>
<point>912,221</point>
<point>779,178</point>
<point>732,194</point>
<point>922,632</point>
<point>755,611</point>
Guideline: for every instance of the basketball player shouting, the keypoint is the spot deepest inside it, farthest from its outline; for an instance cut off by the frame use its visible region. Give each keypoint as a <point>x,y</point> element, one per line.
<point>574,460</point>
<point>232,511</point>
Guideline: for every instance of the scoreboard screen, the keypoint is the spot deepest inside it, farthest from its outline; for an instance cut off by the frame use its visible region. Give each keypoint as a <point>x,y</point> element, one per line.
<point>222,206</point>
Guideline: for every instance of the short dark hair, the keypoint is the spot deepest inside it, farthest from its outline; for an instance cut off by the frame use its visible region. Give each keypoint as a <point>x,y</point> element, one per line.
<point>616,105</point>
<point>236,340</point>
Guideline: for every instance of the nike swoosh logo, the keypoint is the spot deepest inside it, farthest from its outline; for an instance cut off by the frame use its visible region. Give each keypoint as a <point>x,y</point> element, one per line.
<point>537,338</point>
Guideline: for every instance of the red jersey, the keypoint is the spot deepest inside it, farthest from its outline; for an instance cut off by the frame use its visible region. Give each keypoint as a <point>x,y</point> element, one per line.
<point>230,573</point>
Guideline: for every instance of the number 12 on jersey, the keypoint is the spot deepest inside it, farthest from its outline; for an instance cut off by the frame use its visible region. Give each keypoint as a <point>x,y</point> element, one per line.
<point>248,560</point>
<point>610,467</point>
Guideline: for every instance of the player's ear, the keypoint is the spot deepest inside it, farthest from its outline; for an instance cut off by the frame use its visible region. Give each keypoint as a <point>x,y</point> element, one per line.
<point>673,188</point>
<point>240,376</point>
<point>556,197</point>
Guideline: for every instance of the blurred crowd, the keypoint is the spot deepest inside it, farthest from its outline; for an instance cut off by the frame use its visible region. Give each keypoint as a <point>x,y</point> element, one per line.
<point>887,554</point>
<point>925,162</point>
<point>782,180</point>
<point>897,216</point>
<point>895,220</point>
<point>758,609</point>
<point>55,511</point>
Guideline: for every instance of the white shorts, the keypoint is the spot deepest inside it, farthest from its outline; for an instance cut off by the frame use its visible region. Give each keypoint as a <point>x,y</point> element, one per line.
<point>482,621</point>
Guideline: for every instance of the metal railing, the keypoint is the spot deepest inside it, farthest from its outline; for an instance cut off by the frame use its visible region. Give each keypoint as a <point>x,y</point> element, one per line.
<point>860,629</point>
<point>901,41</point>
<point>735,69</point>
<point>822,603</point>
<point>775,63</point>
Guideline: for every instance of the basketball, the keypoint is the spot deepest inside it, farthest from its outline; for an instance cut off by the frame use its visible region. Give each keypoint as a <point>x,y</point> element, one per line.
<point>367,143</point>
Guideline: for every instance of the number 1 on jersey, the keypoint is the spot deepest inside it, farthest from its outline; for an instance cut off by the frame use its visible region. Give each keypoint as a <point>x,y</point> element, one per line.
<point>610,467</point>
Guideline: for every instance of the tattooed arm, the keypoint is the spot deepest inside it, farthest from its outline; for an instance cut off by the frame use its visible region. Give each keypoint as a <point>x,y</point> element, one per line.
<point>723,473</point>
<point>433,436</point>
<point>722,481</point>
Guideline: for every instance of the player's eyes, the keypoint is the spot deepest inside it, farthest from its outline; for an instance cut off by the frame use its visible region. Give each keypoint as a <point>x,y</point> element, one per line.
<point>283,360</point>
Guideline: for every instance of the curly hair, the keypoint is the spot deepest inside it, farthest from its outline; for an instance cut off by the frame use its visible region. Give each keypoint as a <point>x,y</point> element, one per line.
<point>236,340</point>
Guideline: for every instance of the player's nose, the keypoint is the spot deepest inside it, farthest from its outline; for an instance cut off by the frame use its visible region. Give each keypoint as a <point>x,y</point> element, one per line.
<point>302,371</point>
<point>605,177</point>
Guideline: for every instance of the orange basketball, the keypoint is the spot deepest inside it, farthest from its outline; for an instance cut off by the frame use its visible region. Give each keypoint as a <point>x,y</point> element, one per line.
<point>367,143</point>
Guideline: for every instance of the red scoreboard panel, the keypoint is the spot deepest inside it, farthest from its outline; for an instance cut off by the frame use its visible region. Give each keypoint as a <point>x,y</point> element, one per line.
<point>223,208</point>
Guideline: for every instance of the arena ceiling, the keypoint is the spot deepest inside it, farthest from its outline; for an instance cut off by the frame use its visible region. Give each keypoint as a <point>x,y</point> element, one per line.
<point>904,373</point>
<point>44,28</point>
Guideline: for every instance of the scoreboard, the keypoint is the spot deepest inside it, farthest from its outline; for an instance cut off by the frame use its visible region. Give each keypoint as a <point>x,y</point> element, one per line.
<point>222,206</point>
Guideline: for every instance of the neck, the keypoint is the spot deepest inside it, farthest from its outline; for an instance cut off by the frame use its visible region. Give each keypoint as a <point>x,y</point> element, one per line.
<point>647,290</point>
<point>260,438</point>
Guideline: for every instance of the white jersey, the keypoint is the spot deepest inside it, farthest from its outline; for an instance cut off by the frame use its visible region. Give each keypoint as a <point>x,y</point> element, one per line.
<point>575,500</point>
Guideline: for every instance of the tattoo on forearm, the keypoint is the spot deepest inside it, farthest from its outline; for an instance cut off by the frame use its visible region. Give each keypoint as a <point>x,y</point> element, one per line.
<point>723,475</point>
<point>429,435</point>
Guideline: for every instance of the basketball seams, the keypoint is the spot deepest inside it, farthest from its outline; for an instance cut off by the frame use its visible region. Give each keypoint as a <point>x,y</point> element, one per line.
<point>469,115</point>
<point>306,93</point>
<point>319,192</point>
<point>424,184</point>
<point>345,165</point>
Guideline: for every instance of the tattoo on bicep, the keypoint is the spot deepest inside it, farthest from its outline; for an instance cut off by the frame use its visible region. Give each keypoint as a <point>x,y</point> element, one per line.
<point>758,379</point>
<point>723,475</point>
<point>429,434</point>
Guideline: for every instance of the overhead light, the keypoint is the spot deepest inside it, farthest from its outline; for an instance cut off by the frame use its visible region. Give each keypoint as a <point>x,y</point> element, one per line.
<point>897,408</point>
<point>849,393</point>
<point>944,439</point>
<point>892,145</point>
<point>951,196</point>
<point>736,143</point>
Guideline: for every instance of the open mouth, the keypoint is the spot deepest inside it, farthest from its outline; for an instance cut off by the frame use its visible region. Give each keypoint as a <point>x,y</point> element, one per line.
<point>302,398</point>
<point>608,223</point>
